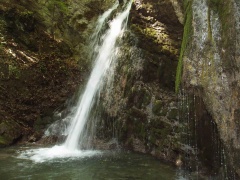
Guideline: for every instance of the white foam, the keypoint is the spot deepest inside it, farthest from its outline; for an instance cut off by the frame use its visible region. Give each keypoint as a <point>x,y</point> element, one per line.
<point>56,152</point>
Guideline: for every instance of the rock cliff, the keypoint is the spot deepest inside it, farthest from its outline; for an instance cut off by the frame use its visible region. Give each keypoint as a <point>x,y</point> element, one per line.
<point>141,107</point>
<point>210,59</point>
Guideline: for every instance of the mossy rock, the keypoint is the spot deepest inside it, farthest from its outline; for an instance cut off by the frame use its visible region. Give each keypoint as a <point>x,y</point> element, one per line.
<point>138,113</point>
<point>139,96</point>
<point>9,132</point>
<point>4,141</point>
<point>146,97</point>
<point>152,139</point>
<point>157,107</point>
<point>141,131</point>
<point>159,128</point>
<point>164,112</point>
<point>173,114</point>
<point>41,123</point>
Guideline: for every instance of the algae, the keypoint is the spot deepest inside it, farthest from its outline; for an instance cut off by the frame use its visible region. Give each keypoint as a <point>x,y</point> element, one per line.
<point>186,38</point>
<point>3,141</point>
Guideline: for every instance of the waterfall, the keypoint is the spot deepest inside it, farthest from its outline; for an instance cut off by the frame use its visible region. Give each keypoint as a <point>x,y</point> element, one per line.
<point>101,20</point>
<point>59,127</point>
<point>104,48</point>
<point>103,62</point>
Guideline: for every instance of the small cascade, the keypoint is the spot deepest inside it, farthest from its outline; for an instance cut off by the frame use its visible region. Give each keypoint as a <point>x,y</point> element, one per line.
<point>104,51</point>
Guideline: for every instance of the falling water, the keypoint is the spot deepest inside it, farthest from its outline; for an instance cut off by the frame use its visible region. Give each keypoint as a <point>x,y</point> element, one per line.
<point>105,52</point>
<point>101,20</point>
<point>60,127</point>
<point>102,64</point>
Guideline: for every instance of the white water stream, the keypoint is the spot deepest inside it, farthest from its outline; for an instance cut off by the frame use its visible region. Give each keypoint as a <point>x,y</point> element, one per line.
<point>104,58</point>
<point>103,62</point>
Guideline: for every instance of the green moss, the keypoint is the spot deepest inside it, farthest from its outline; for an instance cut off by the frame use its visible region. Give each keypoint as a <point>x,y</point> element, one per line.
<point>57,4</point>
<point>26,14</point>
<point>3,141</point>
<point>210,38</point>
<point>186,37</point>
<point>157,107</point>
<point>150,32</point>
<point>164,112</point>
<point>173,114</point>
<point>143,132</point>
<point>161,41</point>
<point>146,99</point>
<point>152,139</point>
<point>14,71</point>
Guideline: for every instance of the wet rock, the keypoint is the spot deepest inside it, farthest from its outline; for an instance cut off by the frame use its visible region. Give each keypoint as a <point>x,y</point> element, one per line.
<point>173,114</point>
<point>157,107</point>
<point>104,144</point>
<point>48,140</point>
<point>35,137</point>
<point>142,93</point>
<point>10,133</point>
<point>211,65</point>
<point>159,33</point>
<point>138,145</point>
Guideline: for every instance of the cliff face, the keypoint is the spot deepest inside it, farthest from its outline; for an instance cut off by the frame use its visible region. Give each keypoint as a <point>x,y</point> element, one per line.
<point>142,106</point>
<point>46,58</point>
<point>211,61</point>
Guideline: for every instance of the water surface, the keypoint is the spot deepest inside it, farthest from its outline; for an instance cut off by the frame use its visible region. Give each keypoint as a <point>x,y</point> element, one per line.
<point>101,166</point>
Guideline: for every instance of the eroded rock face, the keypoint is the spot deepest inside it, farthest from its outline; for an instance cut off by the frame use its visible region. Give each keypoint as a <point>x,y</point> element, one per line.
<point>211,65</point>
<point>43,62</point>
<point>141,106</point>
<point>10,132</point>
<point>159,31</point>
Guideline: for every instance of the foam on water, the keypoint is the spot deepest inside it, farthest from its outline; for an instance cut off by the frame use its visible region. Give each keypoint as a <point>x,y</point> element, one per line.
<point>56,152</point>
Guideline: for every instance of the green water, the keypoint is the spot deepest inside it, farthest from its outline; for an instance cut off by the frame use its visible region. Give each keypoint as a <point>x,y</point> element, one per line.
<point>105,166</point>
